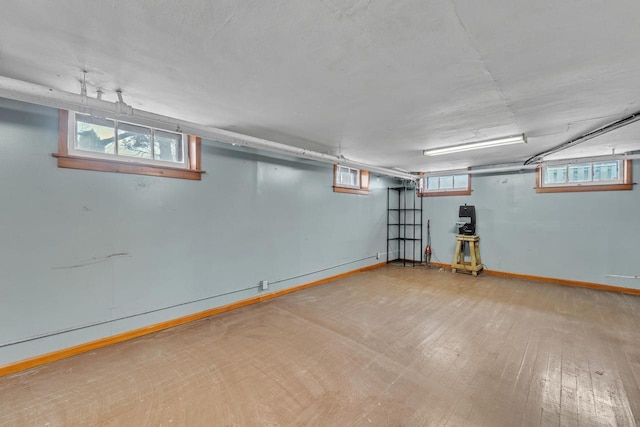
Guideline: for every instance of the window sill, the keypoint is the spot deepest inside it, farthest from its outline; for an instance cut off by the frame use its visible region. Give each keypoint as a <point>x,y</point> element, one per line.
<point>337,189</point>
<point>119,166</point>
<point>445,193</point>
<point>583,188</point>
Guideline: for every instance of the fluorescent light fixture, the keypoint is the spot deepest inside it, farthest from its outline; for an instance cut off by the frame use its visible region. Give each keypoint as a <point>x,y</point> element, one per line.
<point>518,139</point>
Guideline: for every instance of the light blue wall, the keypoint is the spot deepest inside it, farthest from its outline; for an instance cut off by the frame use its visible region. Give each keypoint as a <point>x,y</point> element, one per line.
<point>575,236</point>
<point>80,247</point>
<point>252,217</point>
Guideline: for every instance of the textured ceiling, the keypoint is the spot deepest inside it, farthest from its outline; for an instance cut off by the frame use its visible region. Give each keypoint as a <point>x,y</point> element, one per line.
<point>376,81</point>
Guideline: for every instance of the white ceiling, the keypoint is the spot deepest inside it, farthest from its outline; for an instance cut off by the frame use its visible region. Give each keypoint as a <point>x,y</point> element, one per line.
<point>374,80</point>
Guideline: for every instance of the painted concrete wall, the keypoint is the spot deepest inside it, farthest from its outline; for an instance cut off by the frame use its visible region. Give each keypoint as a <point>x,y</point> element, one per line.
<point>575,236</point>
<point>82,247</point>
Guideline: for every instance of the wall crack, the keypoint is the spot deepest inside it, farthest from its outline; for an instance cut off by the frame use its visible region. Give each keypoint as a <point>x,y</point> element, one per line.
<point>492,78</point>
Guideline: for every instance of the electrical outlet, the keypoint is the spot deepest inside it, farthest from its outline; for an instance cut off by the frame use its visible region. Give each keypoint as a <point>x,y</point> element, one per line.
<point>378,255</point>
<point>264,285</point>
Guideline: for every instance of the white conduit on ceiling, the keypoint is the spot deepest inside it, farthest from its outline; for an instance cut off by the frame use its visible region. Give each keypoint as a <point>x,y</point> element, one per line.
<point>587,136</point>
<point>497,169</point>
<point>36,94</point>
<point>517,168</point>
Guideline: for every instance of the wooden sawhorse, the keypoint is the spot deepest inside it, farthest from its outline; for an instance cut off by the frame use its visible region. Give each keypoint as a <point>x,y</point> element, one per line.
<point>474,249</point>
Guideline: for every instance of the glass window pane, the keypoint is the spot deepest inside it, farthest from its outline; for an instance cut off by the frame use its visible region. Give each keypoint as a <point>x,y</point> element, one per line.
<point>461,181</point>
<point>555,174</point>
<point>446,182</point>
<point>432,183</point>
<point>167,146</point>
<point>606,171</point>
<point>353,177</point>
<point>348,176</point>
<point>134,141</point>
<point>579,172</point>
<point>94,134</point>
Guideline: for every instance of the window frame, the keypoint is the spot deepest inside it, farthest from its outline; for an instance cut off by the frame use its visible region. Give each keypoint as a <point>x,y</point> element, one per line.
<point>423,192</point>
<point>77,159</point>
<point>118,125</point>
<point>362,188</point>
<point>626,182</point>
<point>350,170</point>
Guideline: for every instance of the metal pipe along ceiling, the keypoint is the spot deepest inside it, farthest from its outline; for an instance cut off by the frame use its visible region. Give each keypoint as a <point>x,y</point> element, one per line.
<point>518,168</point>
<point>497,169</point>
<point>36,94</point>
<point>585,137</point>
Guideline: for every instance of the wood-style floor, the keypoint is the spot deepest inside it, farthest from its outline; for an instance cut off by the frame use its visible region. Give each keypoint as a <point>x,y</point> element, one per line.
<point>394,346</point>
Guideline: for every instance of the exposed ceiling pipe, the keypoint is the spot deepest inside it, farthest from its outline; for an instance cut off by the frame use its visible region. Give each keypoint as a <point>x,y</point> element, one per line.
<point>497,169</point>
<point>36,94</point>
<point>587,136</point>
<point>631,156</point>
<point>516,168</point>
<point>503,169</point>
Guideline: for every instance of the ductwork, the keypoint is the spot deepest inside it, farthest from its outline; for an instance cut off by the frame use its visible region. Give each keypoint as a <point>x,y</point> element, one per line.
<point>36,94</point>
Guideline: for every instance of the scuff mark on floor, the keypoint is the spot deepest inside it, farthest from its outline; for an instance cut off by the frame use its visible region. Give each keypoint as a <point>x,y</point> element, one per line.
<point>95,260</point>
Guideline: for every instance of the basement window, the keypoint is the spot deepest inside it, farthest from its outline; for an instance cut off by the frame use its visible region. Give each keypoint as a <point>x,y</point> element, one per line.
<point>445,185</point>
<point>350,180</point>
<point>581,175</point>
<point>108,145</point>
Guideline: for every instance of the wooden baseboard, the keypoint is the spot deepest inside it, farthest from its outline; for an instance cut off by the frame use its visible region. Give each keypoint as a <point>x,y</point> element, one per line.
<point>33,362</point>
<point>589,285</point>
<point>406,261</point>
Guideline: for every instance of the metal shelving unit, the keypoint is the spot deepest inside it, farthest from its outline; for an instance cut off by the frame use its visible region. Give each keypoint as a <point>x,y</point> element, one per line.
<point>404,225</point>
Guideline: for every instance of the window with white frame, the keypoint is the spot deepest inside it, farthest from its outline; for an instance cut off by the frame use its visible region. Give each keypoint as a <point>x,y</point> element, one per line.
<point>350,180</point>
<point>445,185</point>
<point>107,138</point>
<point>580,175</point>
<point>347,177</point>
<point>109,145</point>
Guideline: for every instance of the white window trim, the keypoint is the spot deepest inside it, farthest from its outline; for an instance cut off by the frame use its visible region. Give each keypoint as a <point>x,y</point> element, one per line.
<point>364,181</point>
<point>626,182</point>
<point>338,175</point>
<point>424,191</point>
<point>621,180</point>
<point>74,151</point>
<point>114,165</point>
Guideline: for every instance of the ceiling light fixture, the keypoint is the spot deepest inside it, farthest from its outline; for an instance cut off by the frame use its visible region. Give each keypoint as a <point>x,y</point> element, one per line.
<point>518,139</point>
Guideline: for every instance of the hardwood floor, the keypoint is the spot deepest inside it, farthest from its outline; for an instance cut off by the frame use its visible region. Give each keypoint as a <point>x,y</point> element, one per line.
<point>394,346</point>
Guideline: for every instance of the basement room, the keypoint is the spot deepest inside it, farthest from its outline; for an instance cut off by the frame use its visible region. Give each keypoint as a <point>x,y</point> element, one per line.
<point>319,213</point>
